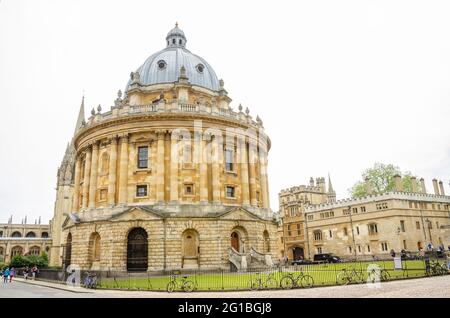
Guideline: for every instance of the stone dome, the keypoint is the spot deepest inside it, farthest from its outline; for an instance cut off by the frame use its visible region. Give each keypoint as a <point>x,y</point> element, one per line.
<point>164,66</point>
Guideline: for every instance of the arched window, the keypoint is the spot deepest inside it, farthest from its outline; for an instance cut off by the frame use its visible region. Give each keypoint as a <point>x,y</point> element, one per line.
<point>94,247</point>
<point>16,250</point>
<point>373,229</point>
<point>174,41</point>
<point>317,235</point>
<point>34,250</point>
<point>31,234</point>
<point>16,234</point>
<point>44,235</point>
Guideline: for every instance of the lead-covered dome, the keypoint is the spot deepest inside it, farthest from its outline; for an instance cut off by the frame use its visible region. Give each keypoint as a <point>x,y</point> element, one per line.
<point>164,66</point>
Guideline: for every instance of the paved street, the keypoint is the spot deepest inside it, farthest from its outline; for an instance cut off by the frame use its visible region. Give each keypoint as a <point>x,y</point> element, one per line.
<point>424,287</point>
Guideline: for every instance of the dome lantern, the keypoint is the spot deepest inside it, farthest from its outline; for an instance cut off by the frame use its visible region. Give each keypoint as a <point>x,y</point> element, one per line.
<point>176,37</point>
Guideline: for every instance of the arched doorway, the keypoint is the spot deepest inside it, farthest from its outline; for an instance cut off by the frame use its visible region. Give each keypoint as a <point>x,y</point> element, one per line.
<point>190,248</point>
<point>137,250</point>
<point>235,241</point>
<point>68,251</point>
<point>298,253</point>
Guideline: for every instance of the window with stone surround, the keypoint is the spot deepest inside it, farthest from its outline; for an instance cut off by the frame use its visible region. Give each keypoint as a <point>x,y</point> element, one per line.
<point>417,225</point>
<point>363,209</point>
<point>402,225</point>
<point>299,229</point>
<point>229,160</point>
<point>345,231</point>
<point>103,194</point>
<point>143,157</point>
<point>189,189</point>
<point>384,247</point>
<point>230,192</point>
<point>373,229</point>
<point>141,191</point>
<point>317,235</point>
<point>319,250</point>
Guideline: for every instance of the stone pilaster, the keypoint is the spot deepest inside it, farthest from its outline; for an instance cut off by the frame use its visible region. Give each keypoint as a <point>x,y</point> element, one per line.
<point>244,171</point>
<point>160,167</point>
<point>252,173</point>
<point>87,171</point>
<point>76,188</point>
<point>174,161</point>
<point>123,169</point>
<point>263,179</point>
<point>215,168</point>
<point>94,171</point>
<point>112,176</point>
<point>203,162</point>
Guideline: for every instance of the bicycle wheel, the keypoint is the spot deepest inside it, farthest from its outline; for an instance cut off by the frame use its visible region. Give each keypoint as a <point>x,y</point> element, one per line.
<point>188,286</point>
<point>444,269</point>
<point>271,283</point>
<point>307,281</point>
<point>342,279</point>
<point>286,283</point>
<point>170,287</point>
<point>384,276</point>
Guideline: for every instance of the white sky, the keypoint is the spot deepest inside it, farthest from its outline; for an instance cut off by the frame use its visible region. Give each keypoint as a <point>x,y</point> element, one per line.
<point>338,84</point>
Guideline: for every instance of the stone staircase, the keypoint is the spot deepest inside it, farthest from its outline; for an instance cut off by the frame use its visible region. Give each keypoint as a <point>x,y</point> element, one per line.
<point>254,259</point>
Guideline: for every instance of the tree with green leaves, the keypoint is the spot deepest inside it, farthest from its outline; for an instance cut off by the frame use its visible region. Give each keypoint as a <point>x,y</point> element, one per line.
<point>381,180</point>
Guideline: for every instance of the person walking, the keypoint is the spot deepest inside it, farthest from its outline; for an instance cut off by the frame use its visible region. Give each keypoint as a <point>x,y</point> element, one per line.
<point>34,271</point>
<point>25,273</point>
<point>12,272</point>
<point>5,275</point>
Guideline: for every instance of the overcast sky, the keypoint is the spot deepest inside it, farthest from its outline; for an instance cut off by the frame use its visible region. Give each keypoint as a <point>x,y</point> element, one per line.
<point>339,85</point>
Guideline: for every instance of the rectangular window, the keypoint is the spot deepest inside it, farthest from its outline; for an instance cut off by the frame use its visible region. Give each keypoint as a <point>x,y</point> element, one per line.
<point>368,248</point>
<point>363,209</point>
<point>103,193</point>
<point>229,165</point>
<point>299,229</point>
<point>359,248</point>
<point>402,225</point>
<point>189,189</point>
<point>141,191</point>
<point>404,245</point>
<point>355,210</point>
<point>345,231</point>
<point>317,236</point>
<point>330,233</point>
<point>310,217</point>
<point>417,225</point>
<point>437,224</point>
<point>384,247</point>
<point>357,230</point>
<point>142,157</point>
<point>230,192</point>
<point>349,249</point>
<point>319,250</point>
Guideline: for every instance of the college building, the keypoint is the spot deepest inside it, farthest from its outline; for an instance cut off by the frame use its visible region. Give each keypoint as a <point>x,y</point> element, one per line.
<point>313,222</point>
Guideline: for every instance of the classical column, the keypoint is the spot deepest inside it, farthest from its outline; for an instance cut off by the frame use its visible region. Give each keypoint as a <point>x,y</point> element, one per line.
<point>174,160</point>
<point>263,179</point>
<point>215,168</point>
<point>252,172</point>
<point>160,167</point>
<point>94,170</point>
<point>203,162</point>
<point>87,171</point>
<point>112,176</point>
<point>123,169</point>
<point>76,190</point>
<point>244,171</point>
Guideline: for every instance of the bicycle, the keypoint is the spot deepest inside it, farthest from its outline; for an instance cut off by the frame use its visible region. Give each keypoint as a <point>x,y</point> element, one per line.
<point>90,281</point>
<point>435,269</point>
<point>347,277</point>
<point>259,283</point>
<point>183,284</point>
<point>301,280</point>
<point>382,274</point>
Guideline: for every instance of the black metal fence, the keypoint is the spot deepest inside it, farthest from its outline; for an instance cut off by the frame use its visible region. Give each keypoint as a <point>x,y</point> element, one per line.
<point>281,277</point>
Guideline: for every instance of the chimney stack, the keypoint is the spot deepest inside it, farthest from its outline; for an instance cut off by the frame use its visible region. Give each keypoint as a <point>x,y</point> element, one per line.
<point>422,185</point>
<point>414,184</point>
<point>368,186</point>
<point>441,187</point>
<point>435,186</point>
<point>398,183</point>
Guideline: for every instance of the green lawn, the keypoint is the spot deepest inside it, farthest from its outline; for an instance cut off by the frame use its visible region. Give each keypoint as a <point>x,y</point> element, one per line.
<point>323,275</point>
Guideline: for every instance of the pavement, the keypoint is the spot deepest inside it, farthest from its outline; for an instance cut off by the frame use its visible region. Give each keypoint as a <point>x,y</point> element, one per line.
<point>434,287</point>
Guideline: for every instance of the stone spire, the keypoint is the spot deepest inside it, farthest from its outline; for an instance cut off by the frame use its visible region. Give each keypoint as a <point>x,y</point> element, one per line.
<point>80,120</point>
<point>331,193</point>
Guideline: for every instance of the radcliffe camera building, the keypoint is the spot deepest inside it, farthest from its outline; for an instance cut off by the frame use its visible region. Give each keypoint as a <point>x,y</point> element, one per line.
<point>170,177</point>
<point>313,222</point>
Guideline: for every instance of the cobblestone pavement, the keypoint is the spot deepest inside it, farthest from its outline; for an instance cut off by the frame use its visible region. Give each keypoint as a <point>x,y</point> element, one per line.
<point>423,287</point>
